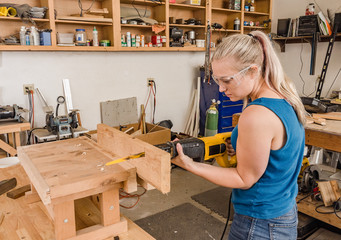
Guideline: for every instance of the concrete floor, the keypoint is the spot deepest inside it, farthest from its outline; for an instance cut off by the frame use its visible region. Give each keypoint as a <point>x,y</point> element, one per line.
<point>183,185</point>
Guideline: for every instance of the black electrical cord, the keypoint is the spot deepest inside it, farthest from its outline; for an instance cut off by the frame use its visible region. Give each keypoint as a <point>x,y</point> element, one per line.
<point>228,217</point>
<point>145,9</point>
<point>80,5</point>
<point>303,87</point>
<point>154,101</point>
<point>30,133</point>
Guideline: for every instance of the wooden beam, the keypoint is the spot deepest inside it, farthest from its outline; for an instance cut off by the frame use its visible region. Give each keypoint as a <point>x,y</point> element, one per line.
<point>154,167</point>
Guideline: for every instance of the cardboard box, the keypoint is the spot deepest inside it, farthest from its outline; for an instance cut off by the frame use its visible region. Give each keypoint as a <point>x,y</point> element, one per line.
<point>155,134</point>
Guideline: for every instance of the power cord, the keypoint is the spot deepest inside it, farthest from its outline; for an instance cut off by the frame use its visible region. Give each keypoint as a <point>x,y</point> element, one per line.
<point>80,5</point>
<point>228,218</point>
<point>336,208</point>
<point>124,194</point>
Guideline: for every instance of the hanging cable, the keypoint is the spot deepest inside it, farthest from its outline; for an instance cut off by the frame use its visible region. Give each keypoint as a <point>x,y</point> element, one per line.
<point>32,109</point>
<point>80,5</point>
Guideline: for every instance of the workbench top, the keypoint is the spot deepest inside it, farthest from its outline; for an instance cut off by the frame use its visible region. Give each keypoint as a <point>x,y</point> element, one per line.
<point>68,167</point>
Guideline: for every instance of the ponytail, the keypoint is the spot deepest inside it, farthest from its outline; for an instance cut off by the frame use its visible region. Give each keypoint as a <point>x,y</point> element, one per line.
<point>256,48</point>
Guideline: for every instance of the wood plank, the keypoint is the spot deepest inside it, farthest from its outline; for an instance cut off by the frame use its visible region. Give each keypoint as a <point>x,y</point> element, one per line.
<point>19,192</point>
<point>8,148</point>
<point>330,115</point>
<point>110,207</point>
<point>98,232</point>
<point>154,167</point>
<point>9,127</point>
<point>64,220</point>
<point>329,191</point>
<point>37,180</point>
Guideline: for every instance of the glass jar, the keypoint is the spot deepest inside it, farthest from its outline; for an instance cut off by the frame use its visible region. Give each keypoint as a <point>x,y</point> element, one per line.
<point>80,37</point>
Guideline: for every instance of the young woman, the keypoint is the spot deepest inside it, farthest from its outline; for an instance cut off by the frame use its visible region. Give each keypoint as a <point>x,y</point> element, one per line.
<point>268,141</point>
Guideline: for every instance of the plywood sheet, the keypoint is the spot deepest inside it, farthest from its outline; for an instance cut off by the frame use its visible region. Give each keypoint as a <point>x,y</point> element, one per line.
<point>62,168</point>
<point>119,112</point>
<point>154,168</point>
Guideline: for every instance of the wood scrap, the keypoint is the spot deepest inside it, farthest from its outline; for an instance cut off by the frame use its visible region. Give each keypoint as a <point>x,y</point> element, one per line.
<point>98,11</point>
<point>320,121</point>
<point>330,192</point>
<point>330,115</point>
<point>19,192</point>
<point>7,185</point>
<point>88,15</point>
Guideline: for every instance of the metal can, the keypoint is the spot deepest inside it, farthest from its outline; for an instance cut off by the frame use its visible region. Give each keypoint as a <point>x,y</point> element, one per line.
<point>105,43</point>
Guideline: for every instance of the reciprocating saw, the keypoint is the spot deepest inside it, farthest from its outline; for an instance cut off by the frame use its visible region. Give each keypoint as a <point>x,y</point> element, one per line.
<point>203,149</point>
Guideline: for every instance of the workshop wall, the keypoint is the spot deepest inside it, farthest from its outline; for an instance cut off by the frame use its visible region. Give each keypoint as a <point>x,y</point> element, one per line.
<point>291,57</point>
<point>96,77</point>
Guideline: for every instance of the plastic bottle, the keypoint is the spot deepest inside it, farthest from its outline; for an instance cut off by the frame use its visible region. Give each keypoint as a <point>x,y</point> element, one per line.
<point>34,37</point>
<point>236,24</point>
<point>95,42</point>
<point>22,35</point>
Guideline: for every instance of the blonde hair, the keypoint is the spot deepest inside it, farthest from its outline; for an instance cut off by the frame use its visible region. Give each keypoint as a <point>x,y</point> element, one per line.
<point>256,48</point>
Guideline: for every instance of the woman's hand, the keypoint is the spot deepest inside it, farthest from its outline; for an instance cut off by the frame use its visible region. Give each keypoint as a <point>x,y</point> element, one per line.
<point>182,160</point>
<point>230,149</point>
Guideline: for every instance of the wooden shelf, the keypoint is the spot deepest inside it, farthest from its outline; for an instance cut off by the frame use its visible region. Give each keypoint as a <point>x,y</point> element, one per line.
<point>143,2</point>
<point>186,6</point>
<point>256,13</point>
<point>99,49</point>
<point>186,26</point>
<point>226,30</point>
<point>281,41</point>
<point>84,22</point>
<point>135,26</point>
<point>226,10</point>
<point>110,27</point>
<point>255,27</point>
<point>19,19</point>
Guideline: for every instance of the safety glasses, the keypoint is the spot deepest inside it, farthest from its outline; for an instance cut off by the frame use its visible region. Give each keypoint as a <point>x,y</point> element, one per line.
<point>231,82</point>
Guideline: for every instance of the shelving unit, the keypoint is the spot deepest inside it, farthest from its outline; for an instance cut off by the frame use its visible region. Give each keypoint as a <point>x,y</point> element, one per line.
<point>110,27</point>
<point>282,41</point>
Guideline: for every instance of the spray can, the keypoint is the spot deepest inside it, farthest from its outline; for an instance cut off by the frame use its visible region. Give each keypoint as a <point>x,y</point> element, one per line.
<point>212,116</point>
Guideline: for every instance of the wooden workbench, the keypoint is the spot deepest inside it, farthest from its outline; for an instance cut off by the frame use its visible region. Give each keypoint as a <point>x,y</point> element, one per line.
<point>24,220</point>
<point>70,176</point>
<point>12,127</point>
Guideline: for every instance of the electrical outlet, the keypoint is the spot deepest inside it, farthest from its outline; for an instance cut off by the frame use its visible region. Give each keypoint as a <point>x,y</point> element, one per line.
<point>150,81</point>
<point>28,87</point>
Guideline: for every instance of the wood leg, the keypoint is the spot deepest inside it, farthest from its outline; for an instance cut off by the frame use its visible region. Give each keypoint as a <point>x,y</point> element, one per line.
<point>64,220</point>
<point>17,139</point>
<point>109,206</point>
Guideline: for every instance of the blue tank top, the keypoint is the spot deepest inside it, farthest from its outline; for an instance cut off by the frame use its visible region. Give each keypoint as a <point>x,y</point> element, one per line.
<point>275,192</point>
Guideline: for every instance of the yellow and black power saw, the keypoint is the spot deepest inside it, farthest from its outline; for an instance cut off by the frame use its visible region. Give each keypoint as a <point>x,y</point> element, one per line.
<point>203,149</point>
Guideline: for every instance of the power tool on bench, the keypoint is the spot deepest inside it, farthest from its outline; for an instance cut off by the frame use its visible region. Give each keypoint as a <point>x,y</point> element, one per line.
<point>203,149</point>
<point>61,124</point>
